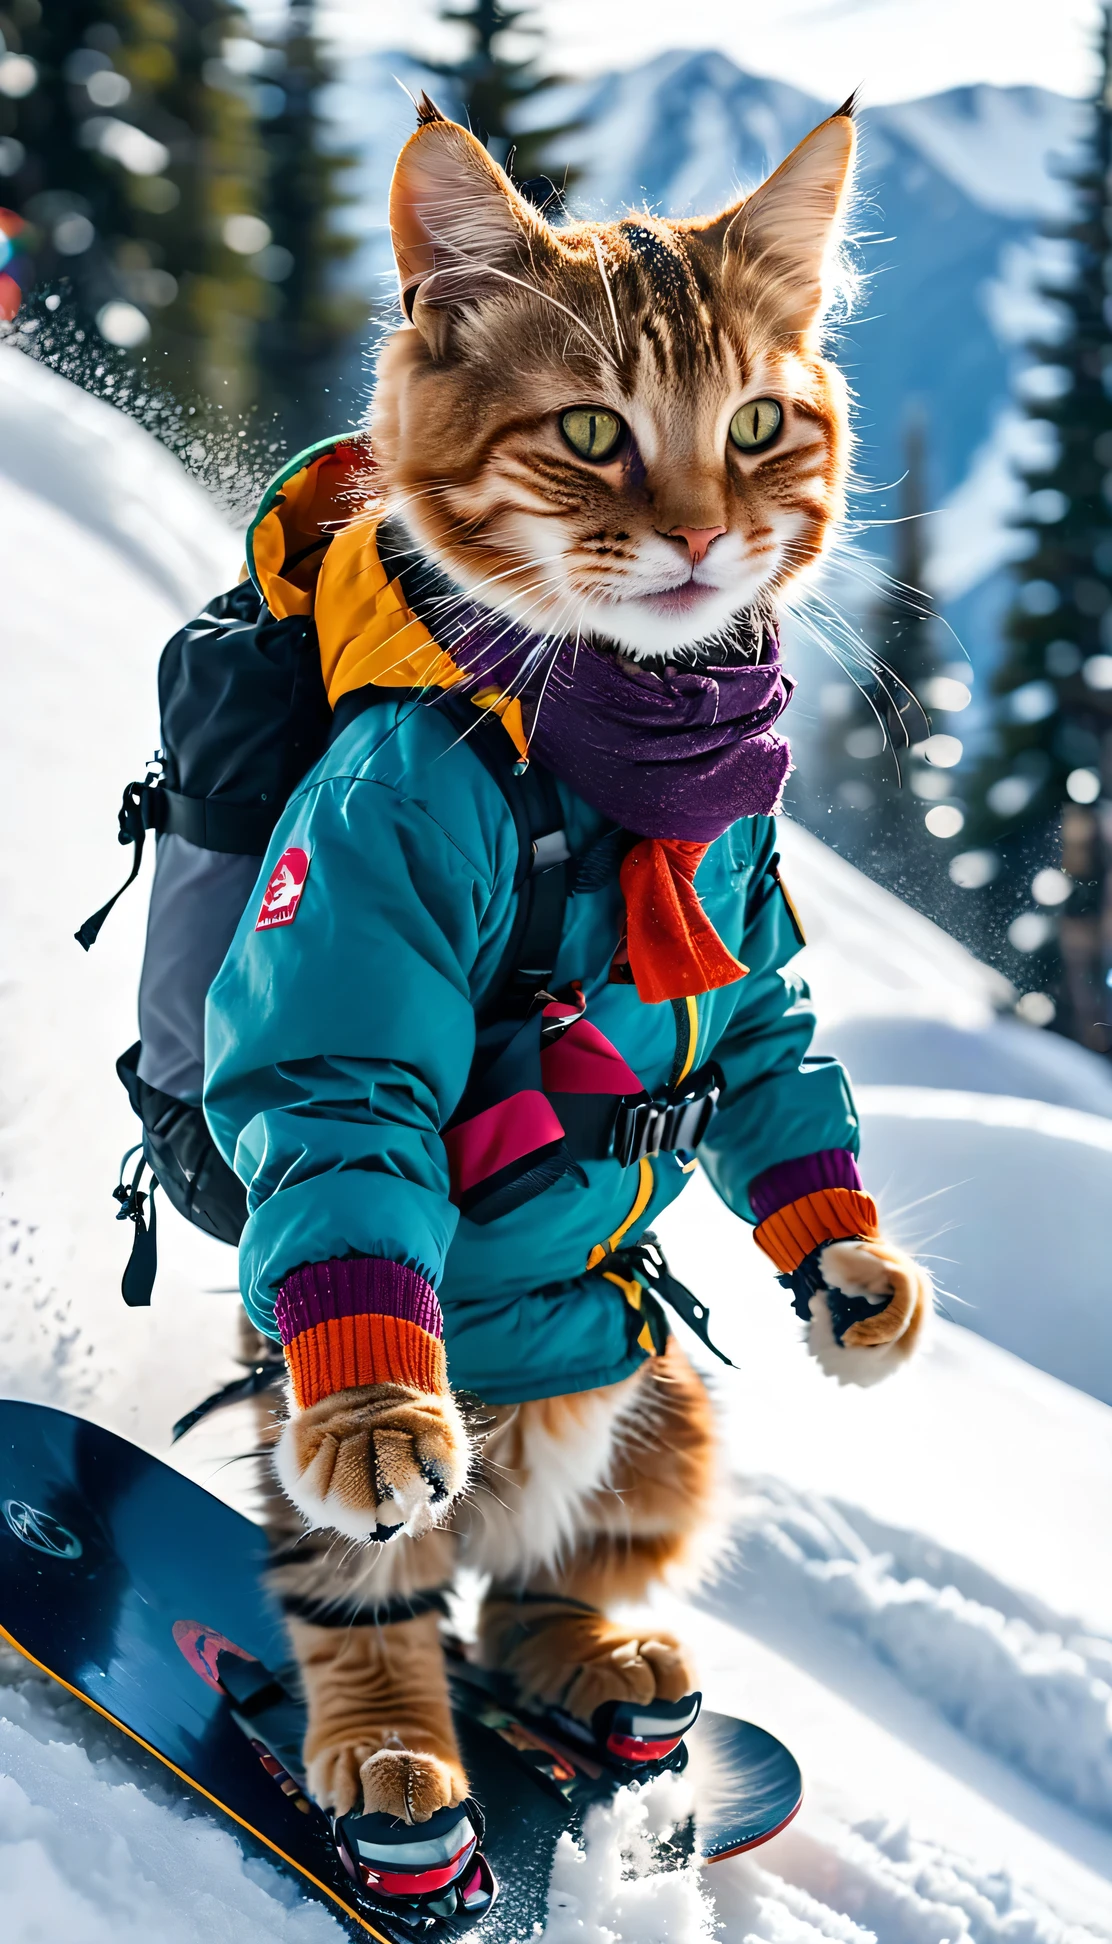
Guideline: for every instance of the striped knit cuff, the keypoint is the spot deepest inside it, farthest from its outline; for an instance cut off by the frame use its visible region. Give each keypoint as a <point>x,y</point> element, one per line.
<point>828,1215</point>
<point>789,1181</point>
<point>359,1320</point>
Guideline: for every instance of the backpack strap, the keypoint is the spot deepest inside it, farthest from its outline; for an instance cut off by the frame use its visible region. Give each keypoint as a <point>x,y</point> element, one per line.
<point>543,857</point>
<point>544,861</point>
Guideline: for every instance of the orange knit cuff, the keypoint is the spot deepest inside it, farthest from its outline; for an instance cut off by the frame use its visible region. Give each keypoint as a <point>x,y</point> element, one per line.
<point>345,1352</point>
<point>829,1215</point>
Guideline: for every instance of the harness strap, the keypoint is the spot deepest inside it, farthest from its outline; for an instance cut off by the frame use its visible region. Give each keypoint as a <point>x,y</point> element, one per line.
<point>541,879</point>
<point>645,1262</point>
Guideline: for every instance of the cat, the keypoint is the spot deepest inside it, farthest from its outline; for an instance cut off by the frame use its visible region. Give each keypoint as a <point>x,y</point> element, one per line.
<point>625,432</point>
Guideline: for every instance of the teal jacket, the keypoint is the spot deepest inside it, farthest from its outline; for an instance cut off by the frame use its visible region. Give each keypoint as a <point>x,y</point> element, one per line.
<point>339,1044</point>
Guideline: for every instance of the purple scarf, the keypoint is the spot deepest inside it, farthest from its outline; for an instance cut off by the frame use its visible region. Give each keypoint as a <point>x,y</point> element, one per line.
<point>680,755</point>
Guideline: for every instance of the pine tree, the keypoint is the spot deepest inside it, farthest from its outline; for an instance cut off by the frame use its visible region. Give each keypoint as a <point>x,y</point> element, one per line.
<point>889,753</point>
<point>311,323</point>
<point>492,87</point>
<point>1037,789</point>
<point>133,161</point>
<point>71,200</point>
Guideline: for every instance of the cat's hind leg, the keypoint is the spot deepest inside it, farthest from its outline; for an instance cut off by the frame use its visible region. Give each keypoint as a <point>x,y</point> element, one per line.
<point>650,1518</point>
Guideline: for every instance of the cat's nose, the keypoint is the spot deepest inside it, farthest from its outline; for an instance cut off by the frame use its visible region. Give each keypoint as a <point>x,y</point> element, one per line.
<point>698,539</point>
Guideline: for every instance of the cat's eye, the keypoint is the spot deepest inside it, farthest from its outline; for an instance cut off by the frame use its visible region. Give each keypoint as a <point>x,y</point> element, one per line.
<point>592,434</point>
<point>756,424</point>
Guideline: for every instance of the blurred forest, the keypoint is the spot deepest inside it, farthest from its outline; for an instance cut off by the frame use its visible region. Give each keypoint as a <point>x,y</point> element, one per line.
<point>180,232</point>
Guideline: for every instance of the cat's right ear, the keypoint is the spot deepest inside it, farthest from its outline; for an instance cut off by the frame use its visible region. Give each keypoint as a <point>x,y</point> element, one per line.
<point>458,225</point>
<point>788,229</point>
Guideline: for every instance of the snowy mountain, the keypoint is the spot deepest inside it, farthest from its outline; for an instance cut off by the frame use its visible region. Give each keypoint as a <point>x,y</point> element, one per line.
<point>952,190</point>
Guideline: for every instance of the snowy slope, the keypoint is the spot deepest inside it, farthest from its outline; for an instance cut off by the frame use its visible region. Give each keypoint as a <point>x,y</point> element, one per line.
<point>919,1599</point>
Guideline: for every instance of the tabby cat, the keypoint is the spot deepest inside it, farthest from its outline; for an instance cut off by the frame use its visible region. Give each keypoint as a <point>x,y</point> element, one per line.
<point>621,433</point>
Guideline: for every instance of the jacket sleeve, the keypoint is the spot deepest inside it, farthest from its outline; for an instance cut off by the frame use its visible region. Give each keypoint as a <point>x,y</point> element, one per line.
<point>786,1119</point>
<point>339,1043</point>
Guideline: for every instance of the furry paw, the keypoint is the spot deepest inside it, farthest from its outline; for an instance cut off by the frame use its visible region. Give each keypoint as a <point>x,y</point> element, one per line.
<point>877,1345</point>
<point>624,1669</point>
<point>333,1775</point>
<point>374,1462</point>
<point>579,1660</point>
<point>412,1787</point>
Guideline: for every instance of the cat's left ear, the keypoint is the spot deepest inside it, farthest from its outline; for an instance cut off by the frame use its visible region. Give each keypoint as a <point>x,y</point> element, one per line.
<point>788,229</point>
<point>458,225</point>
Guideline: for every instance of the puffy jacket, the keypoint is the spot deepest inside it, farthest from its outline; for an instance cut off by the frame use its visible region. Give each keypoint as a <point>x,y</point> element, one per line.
<point>339,1044</point>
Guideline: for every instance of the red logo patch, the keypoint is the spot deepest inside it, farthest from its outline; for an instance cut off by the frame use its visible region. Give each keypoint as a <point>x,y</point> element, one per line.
<point>283,894</point>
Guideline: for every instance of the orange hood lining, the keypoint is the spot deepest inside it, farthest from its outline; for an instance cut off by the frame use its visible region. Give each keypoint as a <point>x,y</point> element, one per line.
<point>309,554</point>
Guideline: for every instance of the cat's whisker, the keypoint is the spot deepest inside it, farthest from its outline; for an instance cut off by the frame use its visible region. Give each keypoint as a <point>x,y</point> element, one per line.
<point>618,339</point>
<point>819,637</point>
<point>534,290</point>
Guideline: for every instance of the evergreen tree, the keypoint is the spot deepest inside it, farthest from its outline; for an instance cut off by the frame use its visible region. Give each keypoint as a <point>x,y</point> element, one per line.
<point>1039,790</point>
<point>312,322</point>
<point>889,753</point>
<point>492,86</point>
<point>131,157</point>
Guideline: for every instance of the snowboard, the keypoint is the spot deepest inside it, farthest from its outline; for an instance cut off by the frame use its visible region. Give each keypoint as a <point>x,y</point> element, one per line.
<point>145,1596</point>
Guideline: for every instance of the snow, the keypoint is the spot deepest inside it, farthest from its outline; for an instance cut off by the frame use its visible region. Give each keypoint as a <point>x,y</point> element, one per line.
<point>1002,1057</point>
<point>1005,1198</point>
<point>607,1887</point>
<point>869,953</point>
<point>86,460</point>
<point>100,1845</point>
<point>917,1598</point>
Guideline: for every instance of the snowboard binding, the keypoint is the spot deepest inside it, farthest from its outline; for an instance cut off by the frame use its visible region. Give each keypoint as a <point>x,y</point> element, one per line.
<point>431,1877</point>
<point>643,1739</point>
<point>425,1872</point>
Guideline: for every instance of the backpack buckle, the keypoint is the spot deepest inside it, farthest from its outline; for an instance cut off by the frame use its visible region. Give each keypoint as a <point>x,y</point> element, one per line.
<point>667,1123</point>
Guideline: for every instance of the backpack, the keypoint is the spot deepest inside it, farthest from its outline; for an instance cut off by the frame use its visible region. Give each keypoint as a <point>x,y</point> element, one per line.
<point>244,716</point>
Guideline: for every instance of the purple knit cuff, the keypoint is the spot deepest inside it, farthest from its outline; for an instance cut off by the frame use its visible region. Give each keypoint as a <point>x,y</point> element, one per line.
<point>355,1286</point>
<point>789,1181</point>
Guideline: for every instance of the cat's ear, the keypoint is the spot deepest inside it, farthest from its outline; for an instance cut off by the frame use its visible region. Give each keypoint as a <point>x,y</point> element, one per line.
<point>790,226</point>
<point>458,225</point>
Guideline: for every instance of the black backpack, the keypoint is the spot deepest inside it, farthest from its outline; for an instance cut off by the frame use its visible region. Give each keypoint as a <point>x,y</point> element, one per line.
<point>244,715</point>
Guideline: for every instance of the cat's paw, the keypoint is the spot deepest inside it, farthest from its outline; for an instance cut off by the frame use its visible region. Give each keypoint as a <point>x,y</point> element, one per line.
<point>393,1781</point>
<point>412,1787</point>
<point>880,1343</point>
<point>332,1776</point>
<point>630,1668</point>
<point>581,1660</point>
<point>374,1462</point>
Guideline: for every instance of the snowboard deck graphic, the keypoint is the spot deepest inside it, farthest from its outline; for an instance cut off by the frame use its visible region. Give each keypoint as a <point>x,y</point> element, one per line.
<point>113,1571</point>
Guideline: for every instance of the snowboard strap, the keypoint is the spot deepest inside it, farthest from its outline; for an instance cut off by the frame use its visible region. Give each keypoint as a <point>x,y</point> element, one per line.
<point>365,1613</point>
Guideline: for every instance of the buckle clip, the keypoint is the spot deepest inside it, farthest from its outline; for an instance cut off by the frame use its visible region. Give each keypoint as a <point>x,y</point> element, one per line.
<point>669,1123</point>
